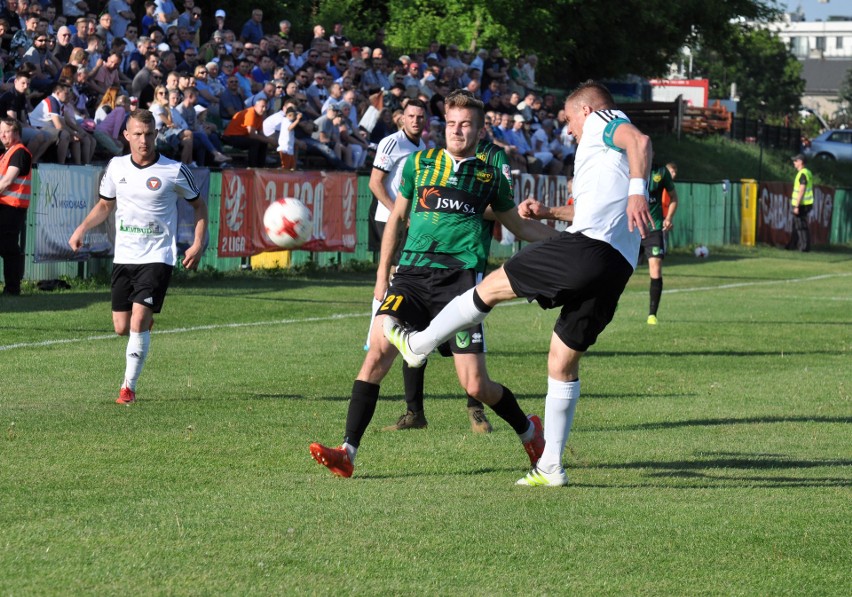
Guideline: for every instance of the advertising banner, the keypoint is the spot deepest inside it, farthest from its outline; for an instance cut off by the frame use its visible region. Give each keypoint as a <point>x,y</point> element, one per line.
<point>775,214</point>
<point>331,197</point>
<point>65,197</point>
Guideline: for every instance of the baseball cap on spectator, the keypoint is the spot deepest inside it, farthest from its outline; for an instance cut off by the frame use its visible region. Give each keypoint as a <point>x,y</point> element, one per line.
<point>432,56</point>
<point>163,47</point>
<point>799,156</point>
<point>414,65</point>
<point>405,58</point>
<point>519,118</point>
<point>333,106</point>
<point>220,13</point>
<point>398,86</point>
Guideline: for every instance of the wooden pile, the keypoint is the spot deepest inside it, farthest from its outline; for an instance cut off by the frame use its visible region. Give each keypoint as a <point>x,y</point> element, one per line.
<point>706,121</point>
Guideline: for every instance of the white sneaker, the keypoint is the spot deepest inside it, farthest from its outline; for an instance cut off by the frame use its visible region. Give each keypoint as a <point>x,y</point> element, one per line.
<point>538,478</point>
<point>398,336</point>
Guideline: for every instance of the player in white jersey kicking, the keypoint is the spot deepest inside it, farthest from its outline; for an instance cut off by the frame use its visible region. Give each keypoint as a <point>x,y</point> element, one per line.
<point>584,270</point>
<point>143,188</point>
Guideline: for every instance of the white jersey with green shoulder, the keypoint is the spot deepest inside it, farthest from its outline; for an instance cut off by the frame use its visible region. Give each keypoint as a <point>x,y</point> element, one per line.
<point>146,213</point>
<point>391,154</point>
<point>601,180</point>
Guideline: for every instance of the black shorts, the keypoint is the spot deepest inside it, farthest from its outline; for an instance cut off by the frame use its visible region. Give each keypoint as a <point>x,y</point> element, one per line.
<point>417,294</point>
<point>654,244</point>
<point>583,276</point>
<point>145,284</point>
<point>377,231</point>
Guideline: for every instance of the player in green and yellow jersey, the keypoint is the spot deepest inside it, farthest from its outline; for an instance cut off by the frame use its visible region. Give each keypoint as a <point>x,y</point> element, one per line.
<point>654,243</point>
<point>414,416</point>
<point>443,196</point>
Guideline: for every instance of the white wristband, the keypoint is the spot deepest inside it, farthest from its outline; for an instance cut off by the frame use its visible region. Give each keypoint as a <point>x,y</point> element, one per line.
<point>637,186</point>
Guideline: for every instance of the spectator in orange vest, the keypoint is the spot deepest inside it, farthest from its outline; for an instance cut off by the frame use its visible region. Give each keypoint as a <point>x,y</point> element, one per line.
<point>15,179</point>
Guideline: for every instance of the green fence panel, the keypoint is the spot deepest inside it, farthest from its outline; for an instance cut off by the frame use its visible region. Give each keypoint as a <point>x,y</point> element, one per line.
<point>841,217</point>
<point>707,214</point>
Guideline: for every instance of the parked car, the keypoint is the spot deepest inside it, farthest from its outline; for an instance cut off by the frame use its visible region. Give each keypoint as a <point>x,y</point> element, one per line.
<point>833,144</point>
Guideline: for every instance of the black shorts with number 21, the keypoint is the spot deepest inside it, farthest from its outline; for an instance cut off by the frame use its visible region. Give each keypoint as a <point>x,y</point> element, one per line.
<point>417,294</point>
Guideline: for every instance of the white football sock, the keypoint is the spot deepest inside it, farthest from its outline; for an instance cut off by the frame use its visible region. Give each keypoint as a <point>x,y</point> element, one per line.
<point>559,408</point>
<point>460,313</point>
<point>351,451</point>
<point>136,353</point>
<point>376,304</point>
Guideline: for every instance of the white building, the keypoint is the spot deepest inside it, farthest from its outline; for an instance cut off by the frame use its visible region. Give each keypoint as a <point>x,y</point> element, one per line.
<point>825,50</point>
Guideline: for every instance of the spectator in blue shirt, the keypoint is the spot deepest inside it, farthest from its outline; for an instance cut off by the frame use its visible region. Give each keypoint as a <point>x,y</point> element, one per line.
<point>253,29</point>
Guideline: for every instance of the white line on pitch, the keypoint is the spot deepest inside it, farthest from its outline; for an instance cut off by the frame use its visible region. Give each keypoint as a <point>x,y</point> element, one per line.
<point>220,326</point>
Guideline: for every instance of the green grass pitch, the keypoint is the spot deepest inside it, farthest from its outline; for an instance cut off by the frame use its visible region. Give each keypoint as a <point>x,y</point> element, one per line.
<point>711,454</point>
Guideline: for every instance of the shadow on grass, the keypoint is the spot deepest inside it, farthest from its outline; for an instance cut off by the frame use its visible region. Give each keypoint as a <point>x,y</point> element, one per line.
<point>722,421</point>
<point>700,469</point>
<point>703,472</point>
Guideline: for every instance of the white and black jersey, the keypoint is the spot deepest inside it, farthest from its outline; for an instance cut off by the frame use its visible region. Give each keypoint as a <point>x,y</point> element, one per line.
<point>146,213</point>
<point>390,158</point>
<point>601,181</point>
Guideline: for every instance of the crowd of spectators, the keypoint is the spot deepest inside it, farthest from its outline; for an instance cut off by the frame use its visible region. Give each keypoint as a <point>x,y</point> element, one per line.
<point>217,87</point>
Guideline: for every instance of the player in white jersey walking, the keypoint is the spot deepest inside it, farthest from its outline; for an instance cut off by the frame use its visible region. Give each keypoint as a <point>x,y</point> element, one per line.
<point>143,188</point>
<point>584,270</point>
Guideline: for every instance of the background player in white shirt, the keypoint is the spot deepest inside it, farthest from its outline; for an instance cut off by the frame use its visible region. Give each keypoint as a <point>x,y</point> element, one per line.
<point>583,270</point>
<point>143,188</point>
<point>391,154</point>
<point>387,171</point>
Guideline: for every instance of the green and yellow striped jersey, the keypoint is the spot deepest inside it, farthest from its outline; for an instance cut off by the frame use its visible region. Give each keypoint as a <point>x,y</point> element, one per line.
<point>661,179</point>
<point>448,199</point>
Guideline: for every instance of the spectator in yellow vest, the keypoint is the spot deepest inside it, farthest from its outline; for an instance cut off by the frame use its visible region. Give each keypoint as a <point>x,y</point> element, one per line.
<point>802,202</point>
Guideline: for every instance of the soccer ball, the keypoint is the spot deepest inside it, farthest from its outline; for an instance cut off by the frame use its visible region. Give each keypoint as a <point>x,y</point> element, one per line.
<point>287,223</point>
<point>702,252</point>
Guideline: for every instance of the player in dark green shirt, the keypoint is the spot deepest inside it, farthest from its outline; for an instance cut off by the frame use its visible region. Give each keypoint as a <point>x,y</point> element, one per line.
<point>414,416</point>
<point>654,244</point>
<point>444,194</point>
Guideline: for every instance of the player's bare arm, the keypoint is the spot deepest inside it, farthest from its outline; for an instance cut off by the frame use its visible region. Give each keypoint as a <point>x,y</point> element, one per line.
<point>639,154</point>
<point>396,223</point>
<point>100,212</point>
<point>194,253</point>
<point>377,186</point>
<point>528,230</point>
<point>533,209</point>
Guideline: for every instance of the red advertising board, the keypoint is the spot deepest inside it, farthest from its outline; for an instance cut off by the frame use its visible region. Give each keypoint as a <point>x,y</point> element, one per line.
<point>331,197</point>
<point>775,214</point>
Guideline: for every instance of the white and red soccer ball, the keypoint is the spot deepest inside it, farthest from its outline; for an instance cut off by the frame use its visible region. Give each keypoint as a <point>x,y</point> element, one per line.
<point>287,223</point>
<point>702,252</point>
